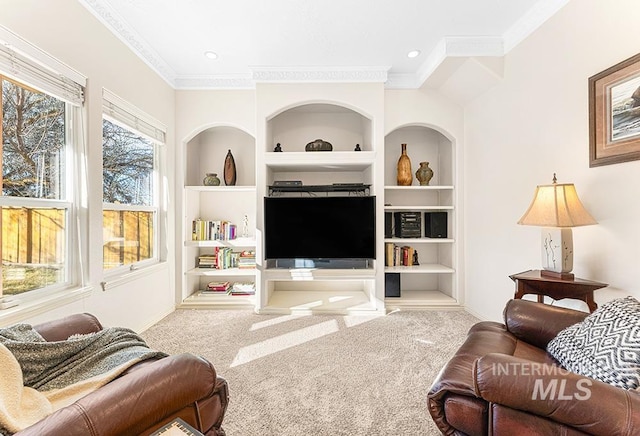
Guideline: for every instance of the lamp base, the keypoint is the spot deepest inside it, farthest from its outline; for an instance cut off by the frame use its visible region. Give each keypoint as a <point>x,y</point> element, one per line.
<point>557,250</point>
<point>557,275</point>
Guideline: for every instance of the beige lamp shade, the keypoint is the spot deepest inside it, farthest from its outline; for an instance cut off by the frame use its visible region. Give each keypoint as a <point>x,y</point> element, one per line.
<point>556,205</point>
<point>556,208</point>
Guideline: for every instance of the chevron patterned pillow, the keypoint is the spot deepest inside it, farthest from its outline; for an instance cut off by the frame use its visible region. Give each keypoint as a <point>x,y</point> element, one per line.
<point>605,346</point>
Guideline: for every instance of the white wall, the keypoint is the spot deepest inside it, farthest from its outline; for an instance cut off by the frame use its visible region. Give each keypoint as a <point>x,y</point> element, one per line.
<point>535,123</point>
<point>67,31</point>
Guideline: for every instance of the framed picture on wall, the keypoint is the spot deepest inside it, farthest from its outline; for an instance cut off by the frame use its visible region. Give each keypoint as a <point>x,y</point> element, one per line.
<point>614,114</point>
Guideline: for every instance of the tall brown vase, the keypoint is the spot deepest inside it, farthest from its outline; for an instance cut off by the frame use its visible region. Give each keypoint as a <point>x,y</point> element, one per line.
<point>229,170</point>
<point>404,174</point>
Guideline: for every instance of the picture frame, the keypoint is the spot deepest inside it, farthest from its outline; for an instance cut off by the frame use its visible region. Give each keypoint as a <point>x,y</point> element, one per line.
<point>614,114</point>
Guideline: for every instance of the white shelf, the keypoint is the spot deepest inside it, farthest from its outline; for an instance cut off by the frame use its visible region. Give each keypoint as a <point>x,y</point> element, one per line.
<point>203,300</point>
<point>220,188</point>
<point>412,208</point>
<point>434,281</point>
<point>223,272</point>
<point>418,188</point>
<point>314,161</point>
<point>238,242</point>
<point>405,241</point>
<point>421,299</point>
<point>308,274</point>
<point>430,268</point>
<point>206,153</point>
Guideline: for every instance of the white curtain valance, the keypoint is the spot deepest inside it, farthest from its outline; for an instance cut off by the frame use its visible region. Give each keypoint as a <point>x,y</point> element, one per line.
<point>124,113</point>
<point>21,61</point>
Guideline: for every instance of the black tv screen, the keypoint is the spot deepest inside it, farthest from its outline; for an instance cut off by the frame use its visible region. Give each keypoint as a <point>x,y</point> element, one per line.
<point>320,227</point>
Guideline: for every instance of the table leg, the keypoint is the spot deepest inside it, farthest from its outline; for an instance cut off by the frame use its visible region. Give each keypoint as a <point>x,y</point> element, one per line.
<point>590,302</point>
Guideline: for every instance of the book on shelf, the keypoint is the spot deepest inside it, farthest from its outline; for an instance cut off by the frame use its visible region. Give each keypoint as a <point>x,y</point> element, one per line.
<point>218,286</point>
<point>213,230</point>
<point>396,255</point>
<point>225,257</point>
<point>247,259</point>
<point>243,288</point>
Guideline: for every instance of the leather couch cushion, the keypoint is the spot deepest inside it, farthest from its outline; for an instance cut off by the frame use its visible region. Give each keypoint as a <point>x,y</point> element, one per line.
<point>505,420</point>
<point>467,414</point>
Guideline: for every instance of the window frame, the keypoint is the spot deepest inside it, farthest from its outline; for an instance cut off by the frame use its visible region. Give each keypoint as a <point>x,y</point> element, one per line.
<point>70,203</point>
<point>127,116</point>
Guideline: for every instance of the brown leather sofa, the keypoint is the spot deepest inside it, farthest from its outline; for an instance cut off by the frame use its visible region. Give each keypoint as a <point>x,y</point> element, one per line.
<point>501,381</point>
<point>148,395</point>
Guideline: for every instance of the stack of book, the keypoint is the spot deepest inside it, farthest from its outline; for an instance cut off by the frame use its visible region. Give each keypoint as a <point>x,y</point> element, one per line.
<point>247,288</point>
<point>217,287</point>
<point>247,259</point>
<point>396,255</point>
<point>207,261</point>
<point>222,258</point>
<point>208,230</point>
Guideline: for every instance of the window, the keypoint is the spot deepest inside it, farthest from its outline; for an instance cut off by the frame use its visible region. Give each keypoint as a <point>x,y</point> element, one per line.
<point>36,202</point>
<point>130,171</point>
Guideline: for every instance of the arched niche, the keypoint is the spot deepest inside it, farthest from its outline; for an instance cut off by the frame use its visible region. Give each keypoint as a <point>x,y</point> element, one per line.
<point>207,150</point>
<point>341,126</point>
<point>424,143</point>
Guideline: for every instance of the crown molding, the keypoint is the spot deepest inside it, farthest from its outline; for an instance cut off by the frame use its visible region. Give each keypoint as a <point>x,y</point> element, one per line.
<point>541,12</point>
<point>239,81</point>
<point>127,34</point>
<point>320,74</point>
<point>402,81</point>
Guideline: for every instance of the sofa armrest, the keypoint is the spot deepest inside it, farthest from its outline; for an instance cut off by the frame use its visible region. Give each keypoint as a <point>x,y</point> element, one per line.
<point>134,402</point>
<point>537,323</point>
<point>61,329</point>
<point>558,395</point>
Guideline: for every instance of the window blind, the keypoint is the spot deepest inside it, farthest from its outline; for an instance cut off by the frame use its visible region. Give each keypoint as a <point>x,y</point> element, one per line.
<point>124,113</point>
<point>21,61</point>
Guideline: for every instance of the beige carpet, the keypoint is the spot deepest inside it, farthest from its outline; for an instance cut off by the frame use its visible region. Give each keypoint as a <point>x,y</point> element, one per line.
<point>320,375</point>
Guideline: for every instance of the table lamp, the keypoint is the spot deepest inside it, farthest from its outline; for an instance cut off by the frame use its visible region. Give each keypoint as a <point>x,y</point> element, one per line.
<point>557,208</point>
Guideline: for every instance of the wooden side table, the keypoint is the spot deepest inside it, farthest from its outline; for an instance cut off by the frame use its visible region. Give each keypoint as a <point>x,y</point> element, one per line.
<point>532,282</point>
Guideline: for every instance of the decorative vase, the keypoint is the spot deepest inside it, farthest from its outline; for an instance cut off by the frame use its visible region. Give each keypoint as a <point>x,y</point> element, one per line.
<point>404,175</point>
<point>211,180</point>
<point>318,145</point>
<point>424,174</point>
<point>229,170</point>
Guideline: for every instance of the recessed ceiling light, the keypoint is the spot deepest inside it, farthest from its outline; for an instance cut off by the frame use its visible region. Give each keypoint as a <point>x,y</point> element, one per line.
<point>211,55</point>
<point>413,54</point>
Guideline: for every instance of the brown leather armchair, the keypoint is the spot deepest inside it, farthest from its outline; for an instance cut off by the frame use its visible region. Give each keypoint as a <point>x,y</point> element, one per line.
<point>148,395</point>
<point>501,381</point>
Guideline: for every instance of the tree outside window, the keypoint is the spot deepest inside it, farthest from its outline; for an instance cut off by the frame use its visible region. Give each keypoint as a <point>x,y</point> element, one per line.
<point>34,203</point>
<point>129,197</point>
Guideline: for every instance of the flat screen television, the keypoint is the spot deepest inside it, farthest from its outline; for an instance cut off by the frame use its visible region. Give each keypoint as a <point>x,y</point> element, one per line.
<point>320,228</point>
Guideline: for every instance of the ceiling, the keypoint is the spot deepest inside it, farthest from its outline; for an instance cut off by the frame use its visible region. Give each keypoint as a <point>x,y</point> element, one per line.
<point>330,40</point>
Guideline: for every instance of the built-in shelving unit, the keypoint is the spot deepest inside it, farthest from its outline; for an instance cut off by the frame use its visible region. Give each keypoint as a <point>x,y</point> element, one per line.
<point>351,117</point>
<point>340,171</point>
<point>434,281</point>
<point>205,153</point>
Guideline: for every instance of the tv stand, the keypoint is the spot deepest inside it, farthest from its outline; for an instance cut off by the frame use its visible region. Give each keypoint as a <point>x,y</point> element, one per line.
<point>320,263</point>
<point>319,290</point>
